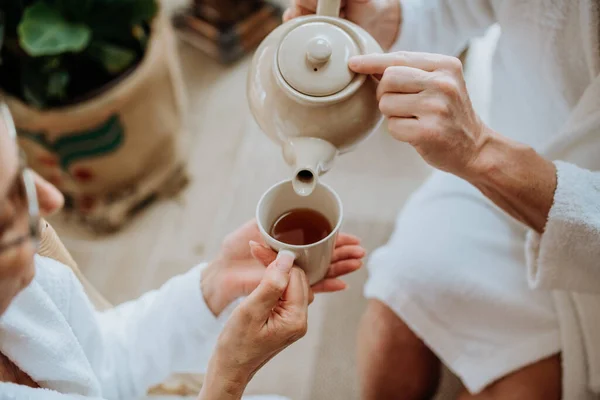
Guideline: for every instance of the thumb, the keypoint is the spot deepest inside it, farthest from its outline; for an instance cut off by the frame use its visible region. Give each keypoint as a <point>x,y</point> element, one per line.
<point>273,285</point>
<point>297,294</point>
<point>49,197</point>
<point>261,253</point>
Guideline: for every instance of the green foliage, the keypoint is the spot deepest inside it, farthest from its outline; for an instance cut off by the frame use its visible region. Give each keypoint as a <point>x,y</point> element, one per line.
<point>114,58</point>
<point>56,52</point>
<point>43,31</point>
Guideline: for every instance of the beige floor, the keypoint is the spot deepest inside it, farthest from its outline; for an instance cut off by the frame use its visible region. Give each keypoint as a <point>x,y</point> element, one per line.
<point>232,163</point>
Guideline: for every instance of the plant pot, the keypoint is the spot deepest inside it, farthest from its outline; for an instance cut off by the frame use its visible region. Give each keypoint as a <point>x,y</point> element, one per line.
<point>115,152</point>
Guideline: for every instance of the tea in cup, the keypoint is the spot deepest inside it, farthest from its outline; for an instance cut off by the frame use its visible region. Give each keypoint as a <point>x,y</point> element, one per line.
<point>307,226</point>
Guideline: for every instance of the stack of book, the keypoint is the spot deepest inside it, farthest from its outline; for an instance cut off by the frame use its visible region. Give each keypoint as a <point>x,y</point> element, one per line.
<point>227,30</point>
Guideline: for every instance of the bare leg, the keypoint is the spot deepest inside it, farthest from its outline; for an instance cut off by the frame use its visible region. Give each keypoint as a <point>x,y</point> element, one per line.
<point>539,381</point>
<point>393,362</point>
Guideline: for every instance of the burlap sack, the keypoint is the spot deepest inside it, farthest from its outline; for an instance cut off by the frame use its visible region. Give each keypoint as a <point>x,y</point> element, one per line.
<point>116,152</point>
<point>52,247</point>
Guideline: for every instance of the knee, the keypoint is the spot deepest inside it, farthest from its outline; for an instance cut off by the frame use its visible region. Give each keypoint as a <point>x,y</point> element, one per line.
<point>393,361</point>
<point>539,381</point>
<point>516,393</point>
<point>385,330</point>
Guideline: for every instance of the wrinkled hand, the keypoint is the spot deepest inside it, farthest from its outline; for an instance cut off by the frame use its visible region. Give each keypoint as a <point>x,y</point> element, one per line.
<point>424,97</point>
<point>381,18</point>
<point>271,318</point>
<point>240,266</point>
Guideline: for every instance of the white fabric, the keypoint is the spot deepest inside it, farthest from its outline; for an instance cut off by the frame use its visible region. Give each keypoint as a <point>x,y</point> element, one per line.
<point>454,270</point>
<point>545,92</point>
<point>566,256</point>
<point>52,333</point>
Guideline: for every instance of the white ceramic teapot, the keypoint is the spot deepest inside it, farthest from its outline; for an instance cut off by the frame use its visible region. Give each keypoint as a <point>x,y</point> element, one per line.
<point>304,96</point>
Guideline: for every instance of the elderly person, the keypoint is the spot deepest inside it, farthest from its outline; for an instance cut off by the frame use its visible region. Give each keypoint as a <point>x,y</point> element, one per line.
<point>54,345</point>
<point>499,300</point>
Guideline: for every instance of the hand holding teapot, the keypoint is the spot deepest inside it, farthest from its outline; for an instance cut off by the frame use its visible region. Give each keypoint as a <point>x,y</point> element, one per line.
<point>306,99</point>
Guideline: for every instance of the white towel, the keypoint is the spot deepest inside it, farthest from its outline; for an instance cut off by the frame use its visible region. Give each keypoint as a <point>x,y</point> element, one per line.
<point>35,334</point>
<point>52,333</point>
<point>567,255</point>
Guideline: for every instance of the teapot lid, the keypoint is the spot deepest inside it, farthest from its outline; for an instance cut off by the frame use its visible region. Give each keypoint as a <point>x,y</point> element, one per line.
<point>313,58</point>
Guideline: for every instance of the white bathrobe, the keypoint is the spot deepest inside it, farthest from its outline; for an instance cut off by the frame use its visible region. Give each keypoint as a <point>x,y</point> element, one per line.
<point>52,332</point>
<point>546,93</point>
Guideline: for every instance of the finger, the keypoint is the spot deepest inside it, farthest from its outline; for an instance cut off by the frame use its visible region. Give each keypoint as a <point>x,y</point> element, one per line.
<point>343,268</point>
<point>347,252</point>
<point>345,239</point>
<point>402,80</point>
<point>307,4</point>
<point>378,63</point>
<point>406,130</point>
<point>329,285</point>
<point>261,253</point>
<point>311,296</point>
<point>50,199</point>
<point>288,14</point>
<point>272,286</point>
<point>295,12</point>
<point>305,287</point>
<point>401,105</point>
<point>295,297</point>
<point>248,278</point>
<point>252,224</point>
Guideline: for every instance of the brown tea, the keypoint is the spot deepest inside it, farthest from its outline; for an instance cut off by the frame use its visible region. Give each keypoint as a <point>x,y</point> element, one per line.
<point>300,227</point>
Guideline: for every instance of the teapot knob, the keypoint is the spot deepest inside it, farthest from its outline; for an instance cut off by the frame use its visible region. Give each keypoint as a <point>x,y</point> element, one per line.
<point>318,50</point>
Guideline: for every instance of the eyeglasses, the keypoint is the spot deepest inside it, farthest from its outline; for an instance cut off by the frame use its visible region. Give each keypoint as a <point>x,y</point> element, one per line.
<point>22,198</point>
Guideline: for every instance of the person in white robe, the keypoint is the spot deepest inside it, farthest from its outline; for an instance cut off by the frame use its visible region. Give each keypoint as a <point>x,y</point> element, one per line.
<point>54,345</point>
<point>494,265</point>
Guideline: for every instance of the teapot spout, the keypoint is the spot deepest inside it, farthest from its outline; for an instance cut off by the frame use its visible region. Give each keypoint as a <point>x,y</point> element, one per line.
<point>310,158</point>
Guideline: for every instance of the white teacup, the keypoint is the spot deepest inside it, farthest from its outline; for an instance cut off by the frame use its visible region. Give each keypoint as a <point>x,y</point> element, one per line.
<point>313,258</point>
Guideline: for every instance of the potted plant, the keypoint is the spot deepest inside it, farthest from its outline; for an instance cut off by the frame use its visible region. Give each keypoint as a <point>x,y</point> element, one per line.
<point>95,90</point>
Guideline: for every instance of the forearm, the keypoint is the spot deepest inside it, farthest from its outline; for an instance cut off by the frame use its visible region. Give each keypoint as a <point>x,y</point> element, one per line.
<point>516,178</point>
<point>222,384</point>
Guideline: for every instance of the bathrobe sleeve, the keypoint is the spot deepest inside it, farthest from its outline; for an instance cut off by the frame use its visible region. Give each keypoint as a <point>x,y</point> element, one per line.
<point>567,255</point>
<point>140,343</point>
<point>11,391</point>
<point>442,26</point>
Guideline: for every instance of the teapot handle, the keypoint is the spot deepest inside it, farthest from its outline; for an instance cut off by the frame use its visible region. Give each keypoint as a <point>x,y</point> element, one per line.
<point>329,8</point>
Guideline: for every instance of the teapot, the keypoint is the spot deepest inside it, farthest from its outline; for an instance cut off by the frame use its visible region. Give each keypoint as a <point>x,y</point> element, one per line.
<point>305,98</point>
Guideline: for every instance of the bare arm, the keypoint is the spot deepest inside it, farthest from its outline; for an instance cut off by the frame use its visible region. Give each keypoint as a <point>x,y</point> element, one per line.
<point>425,99</point>
<point>516,179</point>
<point>222,384</point>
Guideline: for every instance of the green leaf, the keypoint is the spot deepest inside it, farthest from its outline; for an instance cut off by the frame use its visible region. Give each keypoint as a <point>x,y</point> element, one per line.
<point>115,59</point>
<point>57,84</point>
<point>43,31</point>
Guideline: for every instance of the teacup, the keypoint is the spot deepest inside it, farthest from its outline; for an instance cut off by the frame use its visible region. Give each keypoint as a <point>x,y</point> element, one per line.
<point>313,258</point>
